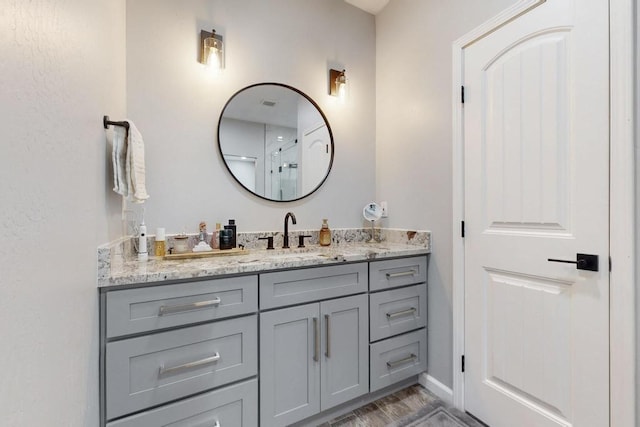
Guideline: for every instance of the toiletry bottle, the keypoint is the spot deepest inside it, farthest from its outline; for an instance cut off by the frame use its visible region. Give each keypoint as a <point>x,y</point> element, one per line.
<point>225,238</point>
<point>202,234</point>
<point>160,248</point>
<point>232,227</point>
<point>143,255</point>
<point>325,234</point>
<point>215,237</point>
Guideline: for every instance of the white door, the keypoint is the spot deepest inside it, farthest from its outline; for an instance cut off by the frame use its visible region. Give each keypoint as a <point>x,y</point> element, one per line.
<point>536,188</point>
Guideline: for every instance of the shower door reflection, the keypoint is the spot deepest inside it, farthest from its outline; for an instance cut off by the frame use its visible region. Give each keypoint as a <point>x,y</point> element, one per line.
<point>284,172</point>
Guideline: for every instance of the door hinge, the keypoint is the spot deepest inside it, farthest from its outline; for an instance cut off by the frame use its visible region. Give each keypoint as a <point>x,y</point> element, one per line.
<point>462,94</point>
<point>610,265</point>
<point>462,364</point>
<point>462,229</point>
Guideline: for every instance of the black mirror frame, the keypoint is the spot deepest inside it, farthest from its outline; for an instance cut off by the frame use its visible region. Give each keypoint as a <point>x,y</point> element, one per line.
<point>308,98</point>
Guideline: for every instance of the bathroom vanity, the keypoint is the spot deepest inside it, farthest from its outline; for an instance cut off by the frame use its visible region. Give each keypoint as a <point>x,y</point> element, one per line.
<point>266,338</point>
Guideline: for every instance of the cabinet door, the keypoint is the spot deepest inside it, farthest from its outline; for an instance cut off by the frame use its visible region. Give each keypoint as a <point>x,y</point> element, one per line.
<point>345,350</point>
<point>289,365</point>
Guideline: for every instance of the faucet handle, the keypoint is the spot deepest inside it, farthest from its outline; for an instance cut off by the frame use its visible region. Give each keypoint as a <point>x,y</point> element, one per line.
<point>301,240</point>
<point>269,241</point>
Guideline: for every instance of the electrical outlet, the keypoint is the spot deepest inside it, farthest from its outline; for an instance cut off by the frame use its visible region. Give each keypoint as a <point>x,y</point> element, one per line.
<point>385,209</point>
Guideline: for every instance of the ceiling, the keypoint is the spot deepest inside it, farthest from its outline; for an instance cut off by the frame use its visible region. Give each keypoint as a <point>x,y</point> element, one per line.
<point>371,6</point>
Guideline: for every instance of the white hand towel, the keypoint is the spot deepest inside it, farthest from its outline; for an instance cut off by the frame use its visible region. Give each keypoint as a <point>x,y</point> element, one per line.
<point>135,167</point>
<point>118,158</point>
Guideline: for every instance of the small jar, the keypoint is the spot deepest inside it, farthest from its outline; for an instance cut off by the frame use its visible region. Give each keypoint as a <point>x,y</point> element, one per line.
<point>325,234</point>
<point>181,244</point>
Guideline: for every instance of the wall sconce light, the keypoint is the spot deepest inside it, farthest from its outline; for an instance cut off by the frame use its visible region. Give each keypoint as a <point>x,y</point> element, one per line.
<point>338,84</point>
<point>211,50</point>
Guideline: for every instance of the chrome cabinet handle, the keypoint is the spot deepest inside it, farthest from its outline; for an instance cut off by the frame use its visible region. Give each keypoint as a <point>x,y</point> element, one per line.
<point>326,321</point>
<point>411,358</point>
<point>191,365</point>
<point>217,424</point>
<point>401,274</point>
<point>316,340</point>
<point>411,310</point>
<point>172,309</point>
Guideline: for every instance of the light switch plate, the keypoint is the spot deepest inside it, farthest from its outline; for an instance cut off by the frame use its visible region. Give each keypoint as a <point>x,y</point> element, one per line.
<point>385,209</point>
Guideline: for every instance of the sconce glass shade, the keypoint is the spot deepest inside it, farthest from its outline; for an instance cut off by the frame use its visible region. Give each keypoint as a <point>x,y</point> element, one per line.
<point>338,84</point>
<point>212,50</point>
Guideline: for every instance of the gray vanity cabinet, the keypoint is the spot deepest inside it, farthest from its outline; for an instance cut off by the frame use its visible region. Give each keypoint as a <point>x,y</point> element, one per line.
<point>312,358</point>
<point>187,353</point>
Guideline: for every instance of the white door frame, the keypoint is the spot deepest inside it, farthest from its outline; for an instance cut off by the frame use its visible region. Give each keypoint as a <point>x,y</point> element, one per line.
<point>622,204</point>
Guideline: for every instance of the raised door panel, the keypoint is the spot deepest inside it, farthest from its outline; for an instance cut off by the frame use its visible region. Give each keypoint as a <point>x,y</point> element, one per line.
<point>289,365</point>
<point>345,362</point>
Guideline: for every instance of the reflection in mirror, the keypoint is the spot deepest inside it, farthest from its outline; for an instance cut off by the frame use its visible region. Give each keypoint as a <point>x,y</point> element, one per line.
<point>275,141</point>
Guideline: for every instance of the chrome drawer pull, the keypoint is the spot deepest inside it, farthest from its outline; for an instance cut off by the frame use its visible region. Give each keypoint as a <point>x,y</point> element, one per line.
<point>172,309</point>
<point>190,365</point>
<point>401,361</point>
<point>217,424</point>
<point>401,274</point>
<point>327,353</point>
<point>316,340</point>
<point>411,310</point>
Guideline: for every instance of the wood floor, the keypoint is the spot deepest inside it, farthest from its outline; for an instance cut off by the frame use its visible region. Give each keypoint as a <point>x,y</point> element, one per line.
<point>386,410</point>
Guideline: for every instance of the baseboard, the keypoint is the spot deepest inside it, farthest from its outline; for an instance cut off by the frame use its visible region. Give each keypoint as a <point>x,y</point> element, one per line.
<point>436,387</point>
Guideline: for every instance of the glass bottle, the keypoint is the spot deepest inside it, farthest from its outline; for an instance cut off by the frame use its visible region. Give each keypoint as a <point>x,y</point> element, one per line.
<point>325,234</point>
<point>160,242</point>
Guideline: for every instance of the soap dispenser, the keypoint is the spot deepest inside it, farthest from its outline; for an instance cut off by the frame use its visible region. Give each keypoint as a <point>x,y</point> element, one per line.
<point>325,234</point>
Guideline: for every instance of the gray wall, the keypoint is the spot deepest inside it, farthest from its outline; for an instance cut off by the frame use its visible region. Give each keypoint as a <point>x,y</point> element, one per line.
<point>62,69</point>
<point>176,104</point>
<point>413,137</point>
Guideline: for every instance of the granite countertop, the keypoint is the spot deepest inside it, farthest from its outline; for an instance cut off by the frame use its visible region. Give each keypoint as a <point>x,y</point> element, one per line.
<point>118,270</point>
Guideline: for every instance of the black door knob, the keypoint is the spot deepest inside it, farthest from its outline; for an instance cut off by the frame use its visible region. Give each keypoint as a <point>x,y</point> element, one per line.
<point>582,262</point>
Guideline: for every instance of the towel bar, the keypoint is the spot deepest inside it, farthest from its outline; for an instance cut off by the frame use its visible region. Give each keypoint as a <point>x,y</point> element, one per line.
<point>106,122</point>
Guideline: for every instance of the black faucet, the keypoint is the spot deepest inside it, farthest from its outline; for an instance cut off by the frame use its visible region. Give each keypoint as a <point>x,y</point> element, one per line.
<point>285,244</point>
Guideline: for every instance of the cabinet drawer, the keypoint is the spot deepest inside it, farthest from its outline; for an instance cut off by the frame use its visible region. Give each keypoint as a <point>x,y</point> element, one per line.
<point>311,284</point>
<point>146,309</point>
<point>397,272</point>
<point>236,406</point>
<point>398,358</point>
<point>397,311</point>
<point>154,369</point>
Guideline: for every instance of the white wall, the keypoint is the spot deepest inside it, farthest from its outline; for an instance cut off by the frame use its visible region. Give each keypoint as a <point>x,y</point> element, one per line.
<point>62,68</point>
<point>413,137</point>
<point>176,104</point>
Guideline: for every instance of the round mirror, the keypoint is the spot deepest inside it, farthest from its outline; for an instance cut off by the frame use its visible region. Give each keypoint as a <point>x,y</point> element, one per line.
<point>275,141</point>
